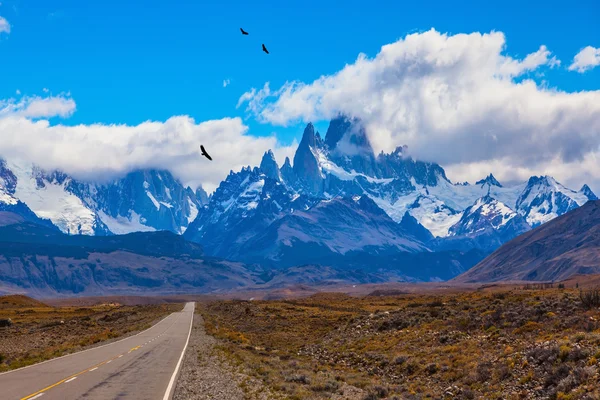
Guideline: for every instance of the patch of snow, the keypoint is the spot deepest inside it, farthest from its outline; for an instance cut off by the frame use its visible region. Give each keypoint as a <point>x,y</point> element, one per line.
<point>151,197</point>
<point>327,166</point>
<point>7,198</point>
<point>53,202</point>
<point>432,214</point>
<point>492,209</point>
<point>166,204</point>
<point>397,209</point>
<point>193,211</point>
<point>122,225</point>
<point>460,197</point>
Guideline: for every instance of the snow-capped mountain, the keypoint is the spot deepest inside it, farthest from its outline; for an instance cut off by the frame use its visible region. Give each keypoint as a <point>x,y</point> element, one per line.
<point>243,206</point>
<point>544,199</point>
<point>8,201</point>
<point>141,201</point>
<point>343,165</point>
<point>486,225</point>
<point>256,216</point>
<point>337,203</point>
<point>305,210</point>
<point>486,213</point>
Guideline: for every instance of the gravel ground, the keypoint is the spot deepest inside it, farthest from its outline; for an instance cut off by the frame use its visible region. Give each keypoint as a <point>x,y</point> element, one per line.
<point>205,375</point>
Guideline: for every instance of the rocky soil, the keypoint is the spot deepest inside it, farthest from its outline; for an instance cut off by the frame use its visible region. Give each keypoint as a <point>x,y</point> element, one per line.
<point>526,343</point>
<point>205,374</point>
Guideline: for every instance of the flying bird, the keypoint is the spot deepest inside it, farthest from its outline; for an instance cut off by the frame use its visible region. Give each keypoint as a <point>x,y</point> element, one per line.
<point>265,49</point>
<point>243,32</point>
<point>204,153</point>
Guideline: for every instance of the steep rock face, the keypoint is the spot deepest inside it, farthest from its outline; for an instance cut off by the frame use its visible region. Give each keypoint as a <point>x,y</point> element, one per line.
<point>287,173</point>
<point>269,166</point>
<point>201,196</point>
<point>306,162</point>
<point>349,146</point>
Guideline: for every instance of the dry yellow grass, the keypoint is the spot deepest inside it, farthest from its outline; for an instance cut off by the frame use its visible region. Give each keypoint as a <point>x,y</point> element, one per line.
<point>515,344</point>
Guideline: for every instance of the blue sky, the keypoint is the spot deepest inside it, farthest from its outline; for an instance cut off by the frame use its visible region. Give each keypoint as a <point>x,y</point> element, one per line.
<point>131,61</point>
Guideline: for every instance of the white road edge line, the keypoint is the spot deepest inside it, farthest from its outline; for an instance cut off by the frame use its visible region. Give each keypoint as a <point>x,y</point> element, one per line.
<point>71,380</point>
<point>109,361</point>
<point>119,356</point>
<point>36,396</point>
<point>93,369</point>
<point>172,381</point>
<point>83,351</point>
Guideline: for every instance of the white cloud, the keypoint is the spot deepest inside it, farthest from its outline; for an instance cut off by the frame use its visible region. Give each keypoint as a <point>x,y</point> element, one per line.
<point>226,82</point>
<point>453,99</point>
<point>587,58</point>
<point>99,151</point>
<point>4,25</point>
<point>38,107</point>
<point>18,92</point>
<point>45,90</point>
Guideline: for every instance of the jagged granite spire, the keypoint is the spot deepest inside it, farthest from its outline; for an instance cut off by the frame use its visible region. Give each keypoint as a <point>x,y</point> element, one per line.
<point>306,165</point>
<point>287,172</point>
<point>269,166</point>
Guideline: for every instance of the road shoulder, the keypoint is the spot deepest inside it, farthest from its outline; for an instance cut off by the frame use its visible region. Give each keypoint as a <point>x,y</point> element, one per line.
<point>206,375</point>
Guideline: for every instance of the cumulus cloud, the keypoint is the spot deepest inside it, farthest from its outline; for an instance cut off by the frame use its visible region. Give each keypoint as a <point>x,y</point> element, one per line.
<point>226,82</point>
<point>38,107</point>
<point>18,92</point>
<point>587,58</point>
<point>99,152</point>
<point>458,100</point>
<point>4,25</point>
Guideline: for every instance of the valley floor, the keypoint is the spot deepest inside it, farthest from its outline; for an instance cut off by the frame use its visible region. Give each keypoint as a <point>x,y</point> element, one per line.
<point>518,343</point>
<point>41,332</point>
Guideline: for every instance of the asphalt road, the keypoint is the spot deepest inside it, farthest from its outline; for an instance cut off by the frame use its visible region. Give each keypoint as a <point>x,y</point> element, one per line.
<point>139,367</point>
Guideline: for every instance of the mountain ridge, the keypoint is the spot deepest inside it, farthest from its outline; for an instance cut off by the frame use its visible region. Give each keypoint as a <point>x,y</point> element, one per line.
<point>566,246</point>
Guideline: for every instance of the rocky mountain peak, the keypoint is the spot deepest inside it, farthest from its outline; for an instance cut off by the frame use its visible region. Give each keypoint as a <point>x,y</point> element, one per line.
<point>489,180</point>
<point>269,166</point>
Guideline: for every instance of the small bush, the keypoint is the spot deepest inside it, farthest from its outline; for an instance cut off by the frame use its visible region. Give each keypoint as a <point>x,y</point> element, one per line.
<point>590,298</point>
<point>431,368</point>
<point>400,360</point>
<point>303,379</point>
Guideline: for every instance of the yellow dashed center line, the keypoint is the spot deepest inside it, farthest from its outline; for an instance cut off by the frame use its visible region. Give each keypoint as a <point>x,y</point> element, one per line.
<point>39,393</point>
<point>67,379</point>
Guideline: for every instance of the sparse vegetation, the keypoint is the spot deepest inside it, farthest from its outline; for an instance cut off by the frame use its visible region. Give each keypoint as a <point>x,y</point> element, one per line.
<point>518,344</point>
<point>39,332</point>
<point>590,298</point>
